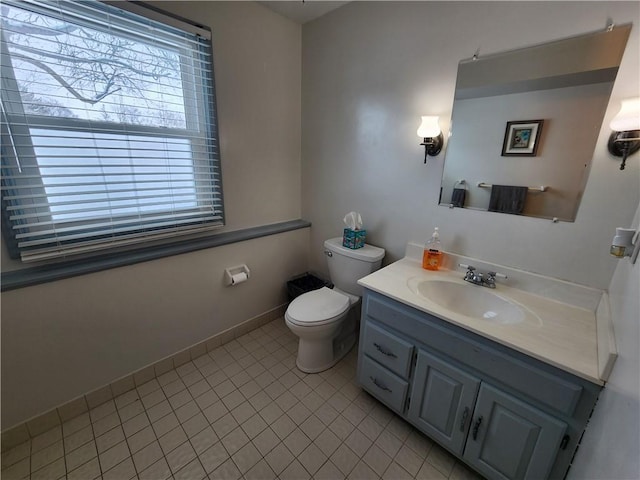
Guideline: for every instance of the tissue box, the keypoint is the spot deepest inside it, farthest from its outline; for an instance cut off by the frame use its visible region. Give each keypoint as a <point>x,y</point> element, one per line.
<point>353,238</point>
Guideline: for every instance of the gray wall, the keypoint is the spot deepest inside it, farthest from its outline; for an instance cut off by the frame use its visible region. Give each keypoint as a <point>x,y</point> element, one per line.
<point>66,338</point>
<point>363,95</point>
<point>370,69</point>
<point>610,447</point>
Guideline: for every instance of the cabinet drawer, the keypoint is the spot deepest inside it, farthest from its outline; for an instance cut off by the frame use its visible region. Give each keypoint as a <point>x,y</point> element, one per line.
<point>386,348</point>
<point>386,386</point>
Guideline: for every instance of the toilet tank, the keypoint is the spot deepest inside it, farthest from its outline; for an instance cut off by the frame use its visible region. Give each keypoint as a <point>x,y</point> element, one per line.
<point>347,266</point>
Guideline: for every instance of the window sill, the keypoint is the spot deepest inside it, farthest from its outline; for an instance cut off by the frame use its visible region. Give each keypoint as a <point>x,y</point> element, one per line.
<point>27,277</point>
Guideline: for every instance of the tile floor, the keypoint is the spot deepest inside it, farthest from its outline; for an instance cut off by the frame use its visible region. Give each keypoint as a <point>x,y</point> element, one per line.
<point>241,411</point>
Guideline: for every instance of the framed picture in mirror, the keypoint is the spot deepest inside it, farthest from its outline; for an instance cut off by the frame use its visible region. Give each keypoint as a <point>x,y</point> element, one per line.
<point>521,138</point>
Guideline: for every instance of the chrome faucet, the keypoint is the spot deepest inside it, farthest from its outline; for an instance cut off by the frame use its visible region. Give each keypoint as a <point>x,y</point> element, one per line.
<point>477,278</point>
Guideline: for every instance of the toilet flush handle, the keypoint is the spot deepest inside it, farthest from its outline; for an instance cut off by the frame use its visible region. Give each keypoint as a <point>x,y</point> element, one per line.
<point>328,253</point>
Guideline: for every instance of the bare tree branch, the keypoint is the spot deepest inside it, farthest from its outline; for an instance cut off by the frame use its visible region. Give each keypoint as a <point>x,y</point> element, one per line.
<point>64,83</point>
<point>31,29</point>
<point>104,60</point>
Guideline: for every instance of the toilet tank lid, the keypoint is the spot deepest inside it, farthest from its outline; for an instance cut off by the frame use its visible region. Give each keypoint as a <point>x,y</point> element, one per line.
<point>368,253</point>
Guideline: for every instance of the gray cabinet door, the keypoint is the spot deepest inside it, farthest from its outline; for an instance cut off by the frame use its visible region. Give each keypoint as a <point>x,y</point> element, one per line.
<point>442,400</point>
<point>510,439</point>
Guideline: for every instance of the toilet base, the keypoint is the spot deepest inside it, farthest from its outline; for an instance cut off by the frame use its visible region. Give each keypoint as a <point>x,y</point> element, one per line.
<point>341,346</point>
<point>316,355</point>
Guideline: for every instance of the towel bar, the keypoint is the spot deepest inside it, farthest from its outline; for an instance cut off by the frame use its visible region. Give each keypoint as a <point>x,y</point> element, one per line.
<point>541,188</point>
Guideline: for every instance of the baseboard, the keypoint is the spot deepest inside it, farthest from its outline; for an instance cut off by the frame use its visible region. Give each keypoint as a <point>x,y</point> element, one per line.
<point>43,422</point>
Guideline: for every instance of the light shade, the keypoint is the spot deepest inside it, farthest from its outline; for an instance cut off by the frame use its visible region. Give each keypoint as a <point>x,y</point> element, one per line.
<point>628,118</point>
<point>429,127</point>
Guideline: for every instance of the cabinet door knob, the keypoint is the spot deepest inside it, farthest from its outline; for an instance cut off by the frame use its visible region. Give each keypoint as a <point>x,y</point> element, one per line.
<point>476,427</point>
<point>465,415</point>
<point>379,385</point>
<point>382,350</point>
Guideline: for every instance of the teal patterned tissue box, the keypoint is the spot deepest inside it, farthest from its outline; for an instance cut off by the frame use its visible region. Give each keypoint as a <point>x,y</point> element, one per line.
<point>353,238</point>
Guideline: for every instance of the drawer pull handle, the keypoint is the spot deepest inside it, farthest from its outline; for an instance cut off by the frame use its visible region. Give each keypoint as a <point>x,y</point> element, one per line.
<point>476,427</point>
<point>379,385</point>
<point>465,415</point>
<point>383,351</point>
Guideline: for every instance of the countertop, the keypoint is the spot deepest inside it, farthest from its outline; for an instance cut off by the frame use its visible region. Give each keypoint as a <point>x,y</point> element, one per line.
<point>566,336</point>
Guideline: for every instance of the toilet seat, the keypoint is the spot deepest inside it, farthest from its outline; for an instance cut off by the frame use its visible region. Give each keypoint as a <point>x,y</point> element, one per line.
<point>318,307</point>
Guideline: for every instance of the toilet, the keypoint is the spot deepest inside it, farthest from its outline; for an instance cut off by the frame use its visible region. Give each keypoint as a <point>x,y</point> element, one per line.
<point>326,320</point>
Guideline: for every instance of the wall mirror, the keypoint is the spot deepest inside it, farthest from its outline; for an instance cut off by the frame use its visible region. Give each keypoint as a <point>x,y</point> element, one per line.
<point>525,124</point>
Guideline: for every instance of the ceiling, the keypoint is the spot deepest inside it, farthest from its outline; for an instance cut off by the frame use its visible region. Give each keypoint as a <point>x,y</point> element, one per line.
<point>303,12</point>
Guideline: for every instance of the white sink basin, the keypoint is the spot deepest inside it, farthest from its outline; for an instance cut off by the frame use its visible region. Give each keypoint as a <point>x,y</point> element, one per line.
<point>472,301</point>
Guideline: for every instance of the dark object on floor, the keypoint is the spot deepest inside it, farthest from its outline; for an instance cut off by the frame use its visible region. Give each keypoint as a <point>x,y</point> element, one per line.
<point>304,283</point>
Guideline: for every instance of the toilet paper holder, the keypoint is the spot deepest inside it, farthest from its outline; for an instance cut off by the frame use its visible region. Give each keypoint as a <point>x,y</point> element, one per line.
<point>237,274</point>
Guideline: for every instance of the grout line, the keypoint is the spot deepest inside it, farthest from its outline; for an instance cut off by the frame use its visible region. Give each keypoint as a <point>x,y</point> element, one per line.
<point>340,380</point>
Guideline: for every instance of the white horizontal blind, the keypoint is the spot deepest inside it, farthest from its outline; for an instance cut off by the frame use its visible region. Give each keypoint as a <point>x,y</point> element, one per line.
<point>109,135</point>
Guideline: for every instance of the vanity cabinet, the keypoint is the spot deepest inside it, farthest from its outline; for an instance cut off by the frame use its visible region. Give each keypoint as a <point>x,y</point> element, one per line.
<point>507,415</point>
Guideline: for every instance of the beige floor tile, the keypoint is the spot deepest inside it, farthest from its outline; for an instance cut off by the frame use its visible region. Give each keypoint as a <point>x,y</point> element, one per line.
<point>362,472</point>
<point>429,472</point>
<point>46,439</point>
<point>158,471</point>
<point>396,472</point>
<point>113,456</point>
<point>18,470</point>
<point>170,440</point>
<point>191,471</point>
<point>246,457</point>
<point>16,454</point>
<point>295,471</point>
<point>203,440</point>
<point>147,456</point>
<point>241,411</point>
<point>312,458</point>
<point>88,471</point>
<point>377,460</point>
<point>266,441</point>
<point>344,459</point>
<point>180,456</point>
<point>279,458</point>
<point>226,471</point>
<point>107,440</point>
<point>213,457</point>
<point>260,471</point>
<point>47,455</point>
<point>409,460</point>
<point>195,425</point>
<point>55,469</point>
<point>122,471</point>
<point>81,455</point>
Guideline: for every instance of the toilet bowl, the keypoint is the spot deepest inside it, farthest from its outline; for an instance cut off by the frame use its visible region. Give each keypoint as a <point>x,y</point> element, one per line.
<point>325,320</point>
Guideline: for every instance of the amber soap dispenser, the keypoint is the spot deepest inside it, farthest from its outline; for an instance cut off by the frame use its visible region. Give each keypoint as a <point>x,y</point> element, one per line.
<point>432,255</point>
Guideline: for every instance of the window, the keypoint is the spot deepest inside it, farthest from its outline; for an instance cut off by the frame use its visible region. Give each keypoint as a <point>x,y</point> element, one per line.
<point>109,132</point>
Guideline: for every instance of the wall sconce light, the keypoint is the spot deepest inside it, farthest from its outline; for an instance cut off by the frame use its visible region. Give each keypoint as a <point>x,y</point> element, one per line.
<point>429,131</point>
<point>625,244</point>
<point>625,139</point>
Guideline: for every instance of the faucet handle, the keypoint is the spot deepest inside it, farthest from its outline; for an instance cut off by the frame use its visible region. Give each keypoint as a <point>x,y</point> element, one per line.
<point>490,281</point>
<point>495,275</point>
<point>469,276</point>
